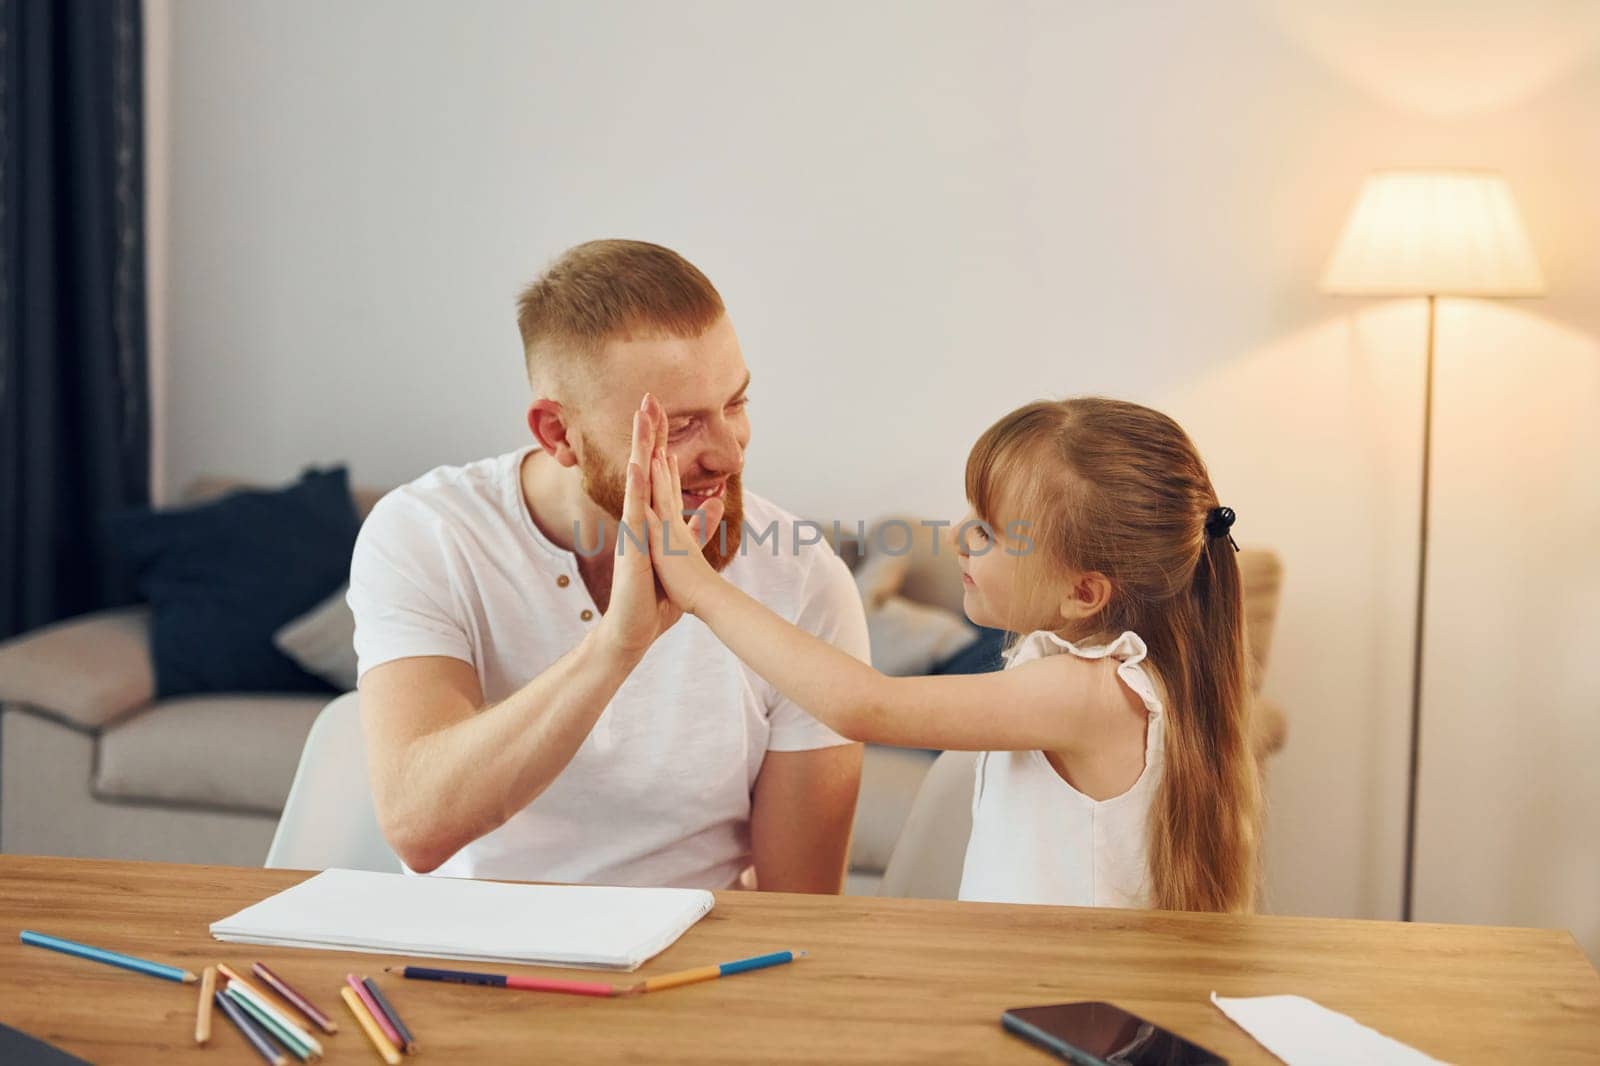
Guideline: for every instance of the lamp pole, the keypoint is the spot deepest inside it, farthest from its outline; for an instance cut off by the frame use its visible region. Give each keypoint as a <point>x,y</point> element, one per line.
<point>1422,604</point>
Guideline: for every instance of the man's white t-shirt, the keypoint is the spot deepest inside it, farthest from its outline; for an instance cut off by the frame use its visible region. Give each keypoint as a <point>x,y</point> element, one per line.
<point>659,793</point>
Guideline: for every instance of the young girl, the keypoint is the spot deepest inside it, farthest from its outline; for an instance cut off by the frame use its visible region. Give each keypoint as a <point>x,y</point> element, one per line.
<point>1115,767</point>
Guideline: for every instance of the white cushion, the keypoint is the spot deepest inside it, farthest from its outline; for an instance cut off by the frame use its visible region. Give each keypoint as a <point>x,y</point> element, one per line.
<point>322,641</point>
<point>909,638</point>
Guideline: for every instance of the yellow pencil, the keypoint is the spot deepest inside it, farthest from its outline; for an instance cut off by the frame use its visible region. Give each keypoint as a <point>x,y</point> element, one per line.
<point>380,1043</point>
<point>711,973</point>
<point>202,1018</point>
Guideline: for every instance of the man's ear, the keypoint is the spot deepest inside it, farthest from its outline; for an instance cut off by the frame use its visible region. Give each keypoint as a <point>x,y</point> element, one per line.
<point>1086,597</point>
<point>547,419</point>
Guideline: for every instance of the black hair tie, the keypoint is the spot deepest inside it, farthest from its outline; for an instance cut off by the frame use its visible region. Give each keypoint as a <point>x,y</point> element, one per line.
<point>1219,523</point>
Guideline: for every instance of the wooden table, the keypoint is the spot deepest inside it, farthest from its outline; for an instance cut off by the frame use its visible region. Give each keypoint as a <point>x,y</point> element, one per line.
<point>888,980</point>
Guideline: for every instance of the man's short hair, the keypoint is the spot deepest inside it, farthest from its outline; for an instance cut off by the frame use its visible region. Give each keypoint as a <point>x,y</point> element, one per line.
<point>609,290</point>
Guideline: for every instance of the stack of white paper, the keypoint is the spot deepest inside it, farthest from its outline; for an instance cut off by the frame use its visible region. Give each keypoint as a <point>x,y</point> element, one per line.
<point>451,918</point>
<point>1303,1032</point>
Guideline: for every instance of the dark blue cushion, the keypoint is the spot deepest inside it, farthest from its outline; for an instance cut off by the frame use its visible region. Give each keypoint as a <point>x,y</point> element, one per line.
<point>982,656</point>
<point>222,577</point>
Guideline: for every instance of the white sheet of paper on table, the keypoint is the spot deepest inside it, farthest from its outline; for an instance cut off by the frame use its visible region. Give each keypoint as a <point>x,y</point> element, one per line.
<point>1302,1032</point>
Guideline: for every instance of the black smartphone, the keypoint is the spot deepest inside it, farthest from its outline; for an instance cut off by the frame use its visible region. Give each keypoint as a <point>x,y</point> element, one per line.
<point>1099,1034</point>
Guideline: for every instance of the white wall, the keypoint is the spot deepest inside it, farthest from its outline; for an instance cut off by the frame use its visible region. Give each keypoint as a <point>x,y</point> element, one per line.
<point>922,214</point>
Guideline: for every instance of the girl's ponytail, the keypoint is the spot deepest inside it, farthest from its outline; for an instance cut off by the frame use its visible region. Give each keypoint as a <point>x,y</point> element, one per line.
<point>1204,830</point>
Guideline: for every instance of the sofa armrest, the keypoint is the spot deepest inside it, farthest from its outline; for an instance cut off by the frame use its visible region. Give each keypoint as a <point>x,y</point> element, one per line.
<point>1269,728</point>
<point>86,671</point>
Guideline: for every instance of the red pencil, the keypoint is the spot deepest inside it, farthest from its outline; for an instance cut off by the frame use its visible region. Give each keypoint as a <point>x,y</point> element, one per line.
<point>554,984</point>
<point>299,1002</point>
<point>500,980</point>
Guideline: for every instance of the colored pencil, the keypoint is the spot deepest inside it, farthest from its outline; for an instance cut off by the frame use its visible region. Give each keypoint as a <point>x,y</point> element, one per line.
<point>250,1031</point>
<point>408,1043</point>
<point>110,958</point>
<point>286,1033</point>
<point>267,1005</point>
<point>500,980</point>
<point>711,973</point>
<point>369,1025</point>
<point>295,999</point>
<point>373,1009</point>
<point>202,1017</point>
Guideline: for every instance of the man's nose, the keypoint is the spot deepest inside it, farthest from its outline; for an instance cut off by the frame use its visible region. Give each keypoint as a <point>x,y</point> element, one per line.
<point>723,454</point>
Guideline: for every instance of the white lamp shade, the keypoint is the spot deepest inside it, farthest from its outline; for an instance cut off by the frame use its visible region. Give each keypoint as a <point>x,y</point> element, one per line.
<point>1434,232</point>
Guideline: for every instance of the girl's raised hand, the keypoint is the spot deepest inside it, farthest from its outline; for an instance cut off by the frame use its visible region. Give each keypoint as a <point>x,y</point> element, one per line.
<point>675,544</point>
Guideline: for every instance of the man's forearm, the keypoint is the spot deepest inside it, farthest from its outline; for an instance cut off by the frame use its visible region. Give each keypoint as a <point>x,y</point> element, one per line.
<point>463,781</point>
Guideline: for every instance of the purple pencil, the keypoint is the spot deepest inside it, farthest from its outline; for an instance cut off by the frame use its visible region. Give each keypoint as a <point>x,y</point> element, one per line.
<point>299,1002</point>
<point>252,1034</point>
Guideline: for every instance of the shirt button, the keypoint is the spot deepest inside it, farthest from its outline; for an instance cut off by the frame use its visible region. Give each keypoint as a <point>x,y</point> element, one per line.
<point>587,614</point>
<point>563,581</point>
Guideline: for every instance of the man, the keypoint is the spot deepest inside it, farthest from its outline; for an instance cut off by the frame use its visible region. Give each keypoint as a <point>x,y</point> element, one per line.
<point>533,708</point>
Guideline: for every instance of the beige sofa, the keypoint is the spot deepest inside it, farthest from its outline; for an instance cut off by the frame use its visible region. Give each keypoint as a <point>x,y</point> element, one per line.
<point>92,765</point>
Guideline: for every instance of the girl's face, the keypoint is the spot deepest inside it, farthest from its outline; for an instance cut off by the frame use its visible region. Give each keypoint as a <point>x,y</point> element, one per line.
<point>1005,587</point>
<point>990,564</point>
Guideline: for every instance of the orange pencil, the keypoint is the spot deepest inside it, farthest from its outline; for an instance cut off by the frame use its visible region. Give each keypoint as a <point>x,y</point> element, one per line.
<point>233,975</point>
<point>202,1018</point>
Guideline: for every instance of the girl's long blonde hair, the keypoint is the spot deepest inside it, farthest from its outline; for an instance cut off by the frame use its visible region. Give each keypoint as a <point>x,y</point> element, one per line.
<point>1114,488</point>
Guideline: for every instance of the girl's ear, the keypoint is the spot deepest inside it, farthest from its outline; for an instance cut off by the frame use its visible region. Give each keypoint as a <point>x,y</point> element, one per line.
<point>547,419</point>
<point>1086,597</point>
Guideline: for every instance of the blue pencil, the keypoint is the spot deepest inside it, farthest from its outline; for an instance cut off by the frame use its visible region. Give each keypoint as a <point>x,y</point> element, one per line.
<point>111,958</point>
<point>711,973</point>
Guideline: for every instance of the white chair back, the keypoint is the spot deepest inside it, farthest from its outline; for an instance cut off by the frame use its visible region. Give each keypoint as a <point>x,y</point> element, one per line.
<point>329,820</point>
<point>927,859</point>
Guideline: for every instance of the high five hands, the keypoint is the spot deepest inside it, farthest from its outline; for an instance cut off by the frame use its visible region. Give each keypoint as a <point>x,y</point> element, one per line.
<point>651,589</point>
<point>675,543</point>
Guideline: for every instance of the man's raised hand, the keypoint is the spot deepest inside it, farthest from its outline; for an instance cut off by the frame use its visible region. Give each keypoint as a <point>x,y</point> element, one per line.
<point>675,544</point>
<point>639,611</point>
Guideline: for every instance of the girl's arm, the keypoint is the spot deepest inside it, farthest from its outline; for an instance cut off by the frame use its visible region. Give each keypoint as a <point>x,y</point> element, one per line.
<point>1055,704</point>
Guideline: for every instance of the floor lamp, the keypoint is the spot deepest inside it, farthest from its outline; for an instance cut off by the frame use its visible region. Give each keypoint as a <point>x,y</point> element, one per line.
<point>1430,233</point>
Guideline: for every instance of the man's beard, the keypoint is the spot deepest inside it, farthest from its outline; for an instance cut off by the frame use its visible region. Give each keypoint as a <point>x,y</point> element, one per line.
<point>607,487</point>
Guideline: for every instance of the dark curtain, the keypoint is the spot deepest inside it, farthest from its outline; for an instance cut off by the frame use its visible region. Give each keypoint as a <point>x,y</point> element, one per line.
<point>74,398</point>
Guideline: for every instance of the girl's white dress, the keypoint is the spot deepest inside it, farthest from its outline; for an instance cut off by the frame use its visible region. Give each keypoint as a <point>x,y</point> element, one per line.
<point>1035,838</point>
